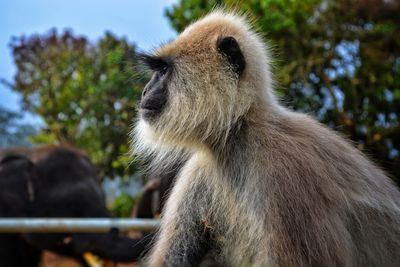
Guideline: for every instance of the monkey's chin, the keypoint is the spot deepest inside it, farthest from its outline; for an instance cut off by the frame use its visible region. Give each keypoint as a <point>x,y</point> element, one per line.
<point>144,134</point>
<point>149,115</point>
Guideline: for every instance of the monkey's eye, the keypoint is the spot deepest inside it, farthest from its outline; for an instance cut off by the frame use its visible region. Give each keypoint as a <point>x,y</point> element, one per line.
<point>155,63</point>
<point>164,70</point>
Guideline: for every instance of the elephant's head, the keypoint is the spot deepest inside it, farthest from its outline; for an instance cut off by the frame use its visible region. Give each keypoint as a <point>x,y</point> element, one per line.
<point>61,182</point>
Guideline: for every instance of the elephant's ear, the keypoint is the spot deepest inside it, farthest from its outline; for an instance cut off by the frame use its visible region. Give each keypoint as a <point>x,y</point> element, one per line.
<point>17,175</point>
<point>15,157</point>
<point>25,167</point>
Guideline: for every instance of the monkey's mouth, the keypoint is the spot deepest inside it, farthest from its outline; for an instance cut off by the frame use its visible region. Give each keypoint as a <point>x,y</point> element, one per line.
<point>151,106</point>
<point>150,112</point>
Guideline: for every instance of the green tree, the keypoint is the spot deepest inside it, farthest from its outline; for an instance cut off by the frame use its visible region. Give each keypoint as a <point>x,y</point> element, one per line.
<point>85,92</point>
<point>122,206</point>
<point>337,59</point>
<point>13,133</point>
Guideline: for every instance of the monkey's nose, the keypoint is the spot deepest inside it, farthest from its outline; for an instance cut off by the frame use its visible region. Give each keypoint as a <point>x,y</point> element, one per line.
<point>144,91</point>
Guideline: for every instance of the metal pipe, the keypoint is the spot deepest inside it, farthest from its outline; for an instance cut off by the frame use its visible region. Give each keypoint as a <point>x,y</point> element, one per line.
<point>74,225</point>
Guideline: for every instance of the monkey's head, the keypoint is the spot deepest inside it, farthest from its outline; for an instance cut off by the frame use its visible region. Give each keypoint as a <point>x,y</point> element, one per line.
<point>204,82</point>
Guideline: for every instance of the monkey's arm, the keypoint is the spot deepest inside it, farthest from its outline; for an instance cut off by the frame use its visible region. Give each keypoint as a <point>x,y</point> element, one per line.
<point>189,247</point>
<point>184,239</point>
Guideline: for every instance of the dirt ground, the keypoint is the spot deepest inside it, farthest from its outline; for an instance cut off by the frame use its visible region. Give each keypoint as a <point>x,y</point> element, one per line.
<point>51,259</point>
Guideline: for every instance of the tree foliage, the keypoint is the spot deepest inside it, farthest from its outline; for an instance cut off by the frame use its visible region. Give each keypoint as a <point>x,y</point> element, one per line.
<point>337,59</point>
<point>13,133</point>
<point>85,92</point>
<point>122,206</point>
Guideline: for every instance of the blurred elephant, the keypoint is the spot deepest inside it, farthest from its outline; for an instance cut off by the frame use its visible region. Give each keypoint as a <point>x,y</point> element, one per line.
<point>56,181</point>
<point>156,191</point>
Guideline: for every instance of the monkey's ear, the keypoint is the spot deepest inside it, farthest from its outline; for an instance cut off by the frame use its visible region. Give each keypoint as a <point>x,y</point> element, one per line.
<point>230,48</point>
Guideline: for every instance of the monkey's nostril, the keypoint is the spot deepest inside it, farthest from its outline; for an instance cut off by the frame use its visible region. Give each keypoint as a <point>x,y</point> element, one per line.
<point>144,91</point>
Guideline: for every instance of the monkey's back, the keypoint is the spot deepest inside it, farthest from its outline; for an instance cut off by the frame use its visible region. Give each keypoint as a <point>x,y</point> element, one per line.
<point>327,204</point>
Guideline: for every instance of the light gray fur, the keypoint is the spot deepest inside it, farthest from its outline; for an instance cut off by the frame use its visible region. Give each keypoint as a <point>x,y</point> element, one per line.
<point>273,186</point>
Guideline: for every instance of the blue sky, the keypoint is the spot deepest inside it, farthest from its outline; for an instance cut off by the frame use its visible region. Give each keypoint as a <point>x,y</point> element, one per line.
<point>142,22</point>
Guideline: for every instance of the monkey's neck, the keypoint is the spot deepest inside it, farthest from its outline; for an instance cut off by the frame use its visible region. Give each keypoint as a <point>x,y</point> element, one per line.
<point>239,150</point>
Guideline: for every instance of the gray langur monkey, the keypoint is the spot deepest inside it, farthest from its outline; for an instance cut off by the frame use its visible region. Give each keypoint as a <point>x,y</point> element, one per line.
<point>265,186</point>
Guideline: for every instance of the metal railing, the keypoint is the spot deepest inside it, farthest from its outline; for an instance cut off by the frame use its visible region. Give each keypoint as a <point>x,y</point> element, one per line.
<point>74,225</point>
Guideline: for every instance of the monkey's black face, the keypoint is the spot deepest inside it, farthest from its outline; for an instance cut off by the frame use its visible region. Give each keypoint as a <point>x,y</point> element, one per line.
<point>155,93</point>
